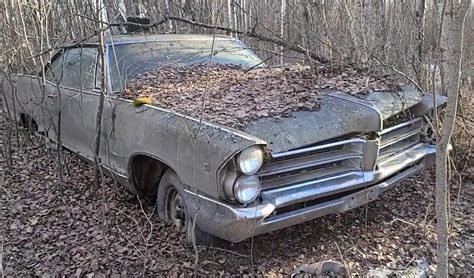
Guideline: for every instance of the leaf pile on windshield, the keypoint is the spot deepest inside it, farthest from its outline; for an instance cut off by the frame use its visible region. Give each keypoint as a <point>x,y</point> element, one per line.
<point>234,97</point>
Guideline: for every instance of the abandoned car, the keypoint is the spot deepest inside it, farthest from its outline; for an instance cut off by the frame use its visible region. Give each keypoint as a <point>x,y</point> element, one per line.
<point>233,183</point>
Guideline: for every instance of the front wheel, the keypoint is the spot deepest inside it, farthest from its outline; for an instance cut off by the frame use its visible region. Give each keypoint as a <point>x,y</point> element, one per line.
<point>172,208</point>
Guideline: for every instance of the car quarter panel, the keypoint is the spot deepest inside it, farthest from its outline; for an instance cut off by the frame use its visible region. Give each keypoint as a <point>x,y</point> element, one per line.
<point>25,94</point>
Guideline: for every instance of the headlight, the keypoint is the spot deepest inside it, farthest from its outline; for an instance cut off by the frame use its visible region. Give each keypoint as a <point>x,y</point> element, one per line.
<point>250,160</point>
<point>246,189</point>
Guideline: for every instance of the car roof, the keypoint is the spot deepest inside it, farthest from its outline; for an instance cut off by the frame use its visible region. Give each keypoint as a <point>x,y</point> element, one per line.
<point>134,38</point>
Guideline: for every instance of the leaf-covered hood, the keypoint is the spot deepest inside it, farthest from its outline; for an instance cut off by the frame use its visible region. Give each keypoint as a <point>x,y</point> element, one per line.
<point>339,114</point>
<point>389,104</point>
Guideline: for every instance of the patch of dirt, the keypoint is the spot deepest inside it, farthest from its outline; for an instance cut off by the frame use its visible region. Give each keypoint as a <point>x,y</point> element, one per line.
<point>87,230</point>
<point>231,96</point>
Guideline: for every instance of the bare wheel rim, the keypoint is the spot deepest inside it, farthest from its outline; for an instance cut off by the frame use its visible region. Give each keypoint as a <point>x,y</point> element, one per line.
<point>176,212</point>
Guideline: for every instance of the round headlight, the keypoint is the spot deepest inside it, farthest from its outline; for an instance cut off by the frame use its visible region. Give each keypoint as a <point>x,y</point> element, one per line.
<point>246,189</point>
<point>250,160</point>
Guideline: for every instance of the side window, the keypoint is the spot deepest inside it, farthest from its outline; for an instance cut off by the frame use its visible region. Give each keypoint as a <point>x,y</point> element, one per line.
<point>55,69</point>
<point>76,68</point>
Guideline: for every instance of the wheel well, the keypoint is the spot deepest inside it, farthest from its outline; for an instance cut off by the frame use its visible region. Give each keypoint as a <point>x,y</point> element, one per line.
<point>145,174</point>
<point>28,122</point>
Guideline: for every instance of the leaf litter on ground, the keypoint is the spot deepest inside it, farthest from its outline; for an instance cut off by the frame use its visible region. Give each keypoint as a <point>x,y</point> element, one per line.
<point>44,233</point>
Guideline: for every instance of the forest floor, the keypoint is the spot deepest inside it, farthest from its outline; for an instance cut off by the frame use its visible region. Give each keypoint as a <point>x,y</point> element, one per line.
<point>44,231</point>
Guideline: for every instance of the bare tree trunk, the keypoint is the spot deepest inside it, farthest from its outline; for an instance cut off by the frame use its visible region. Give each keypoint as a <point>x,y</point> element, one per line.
<point>139,9</point>
<point>59,144</point>
<point>420,38</point>
<point>234,13</point>
<point>168,11</point>
<point>103,87</point>
<point>122,10</point>
<point>282,27</point>
<point>451,47</point>
<point>245,15</point>
<point>443,29</point>
<point>230,14</point>
<point>101,15</point>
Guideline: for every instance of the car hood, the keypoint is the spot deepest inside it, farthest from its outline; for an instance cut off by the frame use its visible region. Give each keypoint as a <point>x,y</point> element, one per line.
<point>339,115</point>
<point>391,103</point>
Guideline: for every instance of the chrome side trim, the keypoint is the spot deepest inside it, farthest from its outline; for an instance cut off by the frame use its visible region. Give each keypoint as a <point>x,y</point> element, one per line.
<point>399,138</point>
<point>406,157</point>
<point>310,190</point>
<point>316,148</point>
<point>300,163</point>
<point>399,126</point>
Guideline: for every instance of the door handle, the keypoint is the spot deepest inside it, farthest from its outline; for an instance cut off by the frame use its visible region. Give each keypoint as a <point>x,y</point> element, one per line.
<point>52,95</point>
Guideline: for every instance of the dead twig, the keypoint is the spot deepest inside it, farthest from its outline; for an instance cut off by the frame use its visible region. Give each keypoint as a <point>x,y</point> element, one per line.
<point>250,33</point>
<point>196,251</point>
<point>400,73</point>
<point>203,105</point>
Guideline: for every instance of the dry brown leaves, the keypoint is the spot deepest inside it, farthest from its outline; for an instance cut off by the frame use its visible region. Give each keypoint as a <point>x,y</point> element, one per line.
<point>235,98</point>
<point>42,233</point>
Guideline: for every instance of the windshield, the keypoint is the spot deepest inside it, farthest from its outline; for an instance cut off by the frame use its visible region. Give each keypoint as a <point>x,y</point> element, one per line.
<point>130,60</point>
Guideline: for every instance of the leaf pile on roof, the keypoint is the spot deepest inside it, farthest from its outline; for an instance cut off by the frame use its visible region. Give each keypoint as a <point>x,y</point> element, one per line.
<point>235,97</point>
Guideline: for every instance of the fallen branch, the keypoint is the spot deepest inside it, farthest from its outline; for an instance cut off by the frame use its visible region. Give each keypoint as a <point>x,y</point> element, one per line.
<point>250,33</point>
<point>400,73</point>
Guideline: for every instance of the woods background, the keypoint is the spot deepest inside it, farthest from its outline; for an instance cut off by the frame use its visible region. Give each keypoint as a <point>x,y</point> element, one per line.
<point>379,35</point>
<point>399,38</point>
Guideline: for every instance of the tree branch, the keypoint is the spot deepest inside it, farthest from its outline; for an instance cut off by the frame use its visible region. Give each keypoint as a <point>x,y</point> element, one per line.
<point>250,33</point>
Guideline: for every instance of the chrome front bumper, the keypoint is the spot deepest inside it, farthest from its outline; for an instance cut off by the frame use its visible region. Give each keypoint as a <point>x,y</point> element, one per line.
<point>236,224</point>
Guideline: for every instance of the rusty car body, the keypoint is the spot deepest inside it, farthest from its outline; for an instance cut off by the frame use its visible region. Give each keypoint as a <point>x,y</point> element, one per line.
<point>337,158</point>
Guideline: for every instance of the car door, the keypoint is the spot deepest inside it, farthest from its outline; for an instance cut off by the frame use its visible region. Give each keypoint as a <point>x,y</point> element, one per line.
<point>72,90</point>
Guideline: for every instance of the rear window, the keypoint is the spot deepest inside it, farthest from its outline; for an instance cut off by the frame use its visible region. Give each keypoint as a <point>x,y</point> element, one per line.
<point>130,60</point>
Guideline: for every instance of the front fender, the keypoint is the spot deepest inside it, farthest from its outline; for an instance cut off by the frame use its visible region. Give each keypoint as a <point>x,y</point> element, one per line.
<point>427,103</point>
<point>169,137</point>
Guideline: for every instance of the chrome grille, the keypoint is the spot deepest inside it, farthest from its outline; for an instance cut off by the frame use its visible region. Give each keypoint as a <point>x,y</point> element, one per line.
<point>304,164</point>
<point>399,137</point>
<point>340,157</point>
